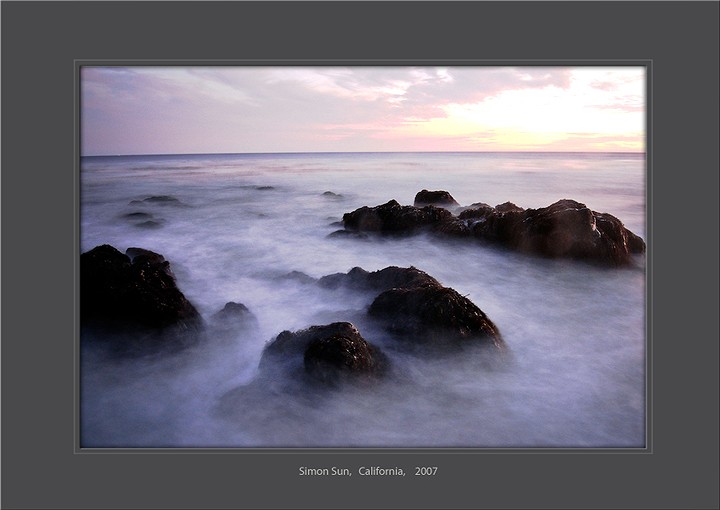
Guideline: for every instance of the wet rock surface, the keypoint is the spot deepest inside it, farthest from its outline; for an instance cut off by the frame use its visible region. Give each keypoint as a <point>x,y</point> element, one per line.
<point>394,218</point>
<point>329,354</point>
<point>437,198</point>
<point>435,316</point>
<point>416,307</point>
<point>565,229</point>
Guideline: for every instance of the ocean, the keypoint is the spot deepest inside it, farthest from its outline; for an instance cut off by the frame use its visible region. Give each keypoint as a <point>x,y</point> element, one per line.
<point>239,223</point>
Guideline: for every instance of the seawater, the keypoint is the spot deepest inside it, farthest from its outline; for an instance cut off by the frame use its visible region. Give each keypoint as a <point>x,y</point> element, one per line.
<point>576,377</point>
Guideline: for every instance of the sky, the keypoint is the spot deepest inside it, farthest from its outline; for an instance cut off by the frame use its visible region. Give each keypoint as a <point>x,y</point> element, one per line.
<point>203,110</point>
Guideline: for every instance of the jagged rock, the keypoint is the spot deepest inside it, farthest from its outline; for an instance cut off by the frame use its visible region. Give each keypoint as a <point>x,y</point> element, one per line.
<point>394,218</point>
<point>436,198</point>
<point>378,281</point>
<point>135,296</point>
<point>415,306</point>
<point>508,207</point>
<point>452,227</point>
<point>565,229</point>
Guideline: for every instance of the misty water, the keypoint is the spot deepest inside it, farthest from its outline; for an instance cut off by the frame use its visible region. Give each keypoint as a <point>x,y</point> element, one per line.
<point>241,223</point>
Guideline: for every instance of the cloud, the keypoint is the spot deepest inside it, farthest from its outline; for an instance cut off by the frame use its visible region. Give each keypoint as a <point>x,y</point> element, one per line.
<point>249,109</point>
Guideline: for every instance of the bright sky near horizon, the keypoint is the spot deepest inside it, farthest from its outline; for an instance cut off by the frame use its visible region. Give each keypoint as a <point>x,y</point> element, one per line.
<point>183,110</point>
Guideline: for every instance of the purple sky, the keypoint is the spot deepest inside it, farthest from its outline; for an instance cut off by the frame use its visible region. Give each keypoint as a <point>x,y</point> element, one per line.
<point>177,110</point>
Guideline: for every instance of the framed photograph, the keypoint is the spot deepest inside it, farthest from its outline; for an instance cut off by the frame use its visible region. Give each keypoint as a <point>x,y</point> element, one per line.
<point>354,255</point>
<point>363,256</point>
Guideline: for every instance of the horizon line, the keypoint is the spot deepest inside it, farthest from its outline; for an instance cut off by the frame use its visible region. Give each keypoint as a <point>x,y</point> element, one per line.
<point>354,152</point>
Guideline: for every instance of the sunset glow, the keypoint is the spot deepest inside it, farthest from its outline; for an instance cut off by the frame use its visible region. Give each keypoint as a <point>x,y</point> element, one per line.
<point>154,110</point>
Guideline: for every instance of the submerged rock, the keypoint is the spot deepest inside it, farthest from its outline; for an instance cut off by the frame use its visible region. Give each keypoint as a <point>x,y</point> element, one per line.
<point>235,316</point>
<point>348,234</point>
<point>138,215</point>
<point>436,198</point>
<point>161,199</point>
<point>330,354</point>
<point>134,296</point>
<point>158,199</point>
<point>300,277</point>
<point>149,224</point>
<point>143,220</point>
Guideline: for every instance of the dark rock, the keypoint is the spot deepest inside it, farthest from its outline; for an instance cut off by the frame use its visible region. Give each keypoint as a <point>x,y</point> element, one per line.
<point>158,199</point>
<point>141,255</point>
<point>566,229</point>
<point>452,227</point>
<point>134,295</point>
<point>161,199</point>
<point>416,307</point>
<point>478,211</point>
<point>348,234</point>
<point>299,277</point>
<point>232,309</point>
<point>235,315</point>
<point>328,353</point>
<point>138,215</point>
<point>394,218</point>
<point>357,278</point>
<point>435,315</point>
<point>635,243</point>
<point>264,188</point>
<point>332,358</point>
<point>330,194</point>
<point>437,198</point>
<point>498,227</point>
<point>379,281</point>
<point>403,277</point>
<point>149,224</point>
<point>508,207</point>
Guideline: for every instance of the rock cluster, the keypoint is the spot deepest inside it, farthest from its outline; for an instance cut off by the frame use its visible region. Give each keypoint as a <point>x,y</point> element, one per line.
<point>419,313</point>
<point>415,307</point>
<point>565,229</point>
<point>132,300</point>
